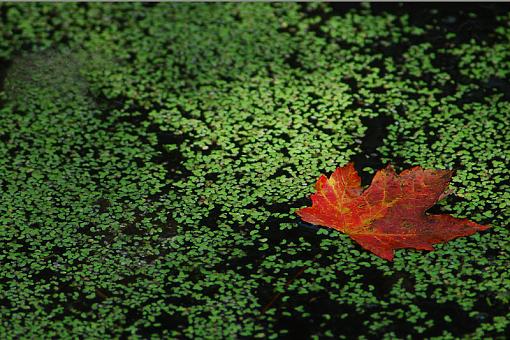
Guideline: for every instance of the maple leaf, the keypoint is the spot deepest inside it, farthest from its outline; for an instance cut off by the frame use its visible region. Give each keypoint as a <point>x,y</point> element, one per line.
<point>391,213</point>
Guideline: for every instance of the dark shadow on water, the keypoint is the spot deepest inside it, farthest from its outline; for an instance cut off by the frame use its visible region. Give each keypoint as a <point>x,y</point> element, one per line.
<point>369,155</point>
<point>4,67</point>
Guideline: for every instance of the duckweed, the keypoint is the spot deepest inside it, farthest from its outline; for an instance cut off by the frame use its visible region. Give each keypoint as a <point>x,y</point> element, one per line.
<point>152,157</point>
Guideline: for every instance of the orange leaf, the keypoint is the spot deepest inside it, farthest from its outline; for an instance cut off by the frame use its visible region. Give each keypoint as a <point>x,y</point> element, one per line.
<point>390,213</point>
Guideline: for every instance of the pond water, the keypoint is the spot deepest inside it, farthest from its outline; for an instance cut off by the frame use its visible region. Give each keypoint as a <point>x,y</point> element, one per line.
<point>153,157</point>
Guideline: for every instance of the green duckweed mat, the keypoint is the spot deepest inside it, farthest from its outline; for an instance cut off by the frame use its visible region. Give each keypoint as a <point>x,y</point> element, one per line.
<point>152,157</point>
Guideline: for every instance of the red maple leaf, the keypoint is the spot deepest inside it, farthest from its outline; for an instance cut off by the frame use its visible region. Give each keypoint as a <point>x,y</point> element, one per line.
<point>391,213</point>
